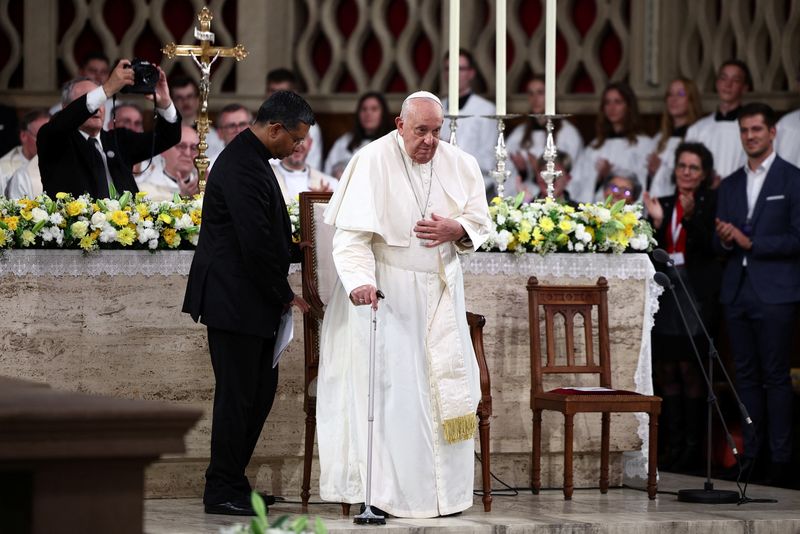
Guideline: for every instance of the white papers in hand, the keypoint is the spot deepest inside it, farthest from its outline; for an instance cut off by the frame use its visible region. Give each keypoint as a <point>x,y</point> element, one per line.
<point>283,337</point>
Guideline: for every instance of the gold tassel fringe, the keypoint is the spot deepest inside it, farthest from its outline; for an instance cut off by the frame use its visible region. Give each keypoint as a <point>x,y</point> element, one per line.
<point>460,428</point>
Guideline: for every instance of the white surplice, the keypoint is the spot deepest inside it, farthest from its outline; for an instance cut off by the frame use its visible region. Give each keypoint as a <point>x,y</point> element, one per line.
<point>420,324</point>
<point>722,139</point>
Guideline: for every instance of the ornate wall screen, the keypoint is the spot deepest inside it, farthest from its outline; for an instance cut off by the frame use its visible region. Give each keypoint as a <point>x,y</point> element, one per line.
<point>341,48</point>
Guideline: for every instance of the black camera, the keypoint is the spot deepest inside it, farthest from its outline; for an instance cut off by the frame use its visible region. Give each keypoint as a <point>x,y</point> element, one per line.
<point>145,78</point>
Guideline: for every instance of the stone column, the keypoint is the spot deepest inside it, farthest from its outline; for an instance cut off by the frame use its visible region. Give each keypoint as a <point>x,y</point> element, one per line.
<point>40,45</point>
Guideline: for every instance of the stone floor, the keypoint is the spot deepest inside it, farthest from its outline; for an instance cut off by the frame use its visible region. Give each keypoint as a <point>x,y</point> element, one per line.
<point>621,511</point>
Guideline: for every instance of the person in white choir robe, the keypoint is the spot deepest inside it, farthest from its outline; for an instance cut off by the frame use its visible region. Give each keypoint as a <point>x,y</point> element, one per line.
<point>294,175</point>
<point>475,135</point>
<point>619,143</point>
<point>26,182</point>
<point>20,156</point>
<point>681,110</point>
<point>372,121</point>
<point>186,95</point>
<point>526,143</point>
<point>719,131</point>
<point>787,142</point>
<point>175,173</point>
<point>406,206</point>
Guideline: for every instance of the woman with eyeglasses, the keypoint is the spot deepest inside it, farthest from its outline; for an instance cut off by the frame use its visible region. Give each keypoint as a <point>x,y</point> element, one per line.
<point>622,184</point>
<point>372,121</point>
<point>684,227</point>
<point>619,143</point>
<point>682,108</point>
<point>525,144</point>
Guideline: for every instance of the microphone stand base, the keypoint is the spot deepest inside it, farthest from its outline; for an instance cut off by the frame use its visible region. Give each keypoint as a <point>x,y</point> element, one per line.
<point>368,517</point>
<point>708,496</point>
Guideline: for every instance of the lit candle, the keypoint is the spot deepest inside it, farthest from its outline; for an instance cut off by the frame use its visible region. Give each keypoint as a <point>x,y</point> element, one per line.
<point>550,59</point>
<point>454,59</point>
<point>500,58</point>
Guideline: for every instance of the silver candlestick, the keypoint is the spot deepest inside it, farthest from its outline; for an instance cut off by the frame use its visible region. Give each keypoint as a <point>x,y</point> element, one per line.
<point>453,125</point>
<point>550,174</point>
<point>500,173</point>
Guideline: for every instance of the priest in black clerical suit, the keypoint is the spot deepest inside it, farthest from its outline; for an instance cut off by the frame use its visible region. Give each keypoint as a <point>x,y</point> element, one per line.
<point>77,156</point>
<point>238,288</point>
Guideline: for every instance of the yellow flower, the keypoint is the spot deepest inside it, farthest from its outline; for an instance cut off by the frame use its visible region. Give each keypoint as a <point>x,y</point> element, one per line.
<point>95,207</point>
<point>562,239</point>
<point>176,213</point>
<point>537,235</point>
<point>3,237</point>
<point>196,216</point>
<point>126,236</point>
<point>628,218</point>
<point>119,217</point>
<point>142,209</point>
<point>61,195</point>
<point>26,214</point>
<point>569,209</point>
<point>11,222</point>
<point>27,204</point>
<point>28,238</point>
<point>546,224</point>
<point>524,236</point>
<point>87,242</point>
<point>525,226</point>
<point>166,219</point>
<point>497,200</point>
<point>140,196</point>
<point>171,237</point>
<point>75,208</point>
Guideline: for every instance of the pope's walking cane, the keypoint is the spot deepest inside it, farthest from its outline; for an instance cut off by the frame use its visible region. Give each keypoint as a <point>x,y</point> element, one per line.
<point>368,517</point>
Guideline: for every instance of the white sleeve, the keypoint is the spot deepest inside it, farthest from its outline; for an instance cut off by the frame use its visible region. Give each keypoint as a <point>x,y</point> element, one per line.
<point>95,98</point>
<point>352,255</point>
<point>170,114</point>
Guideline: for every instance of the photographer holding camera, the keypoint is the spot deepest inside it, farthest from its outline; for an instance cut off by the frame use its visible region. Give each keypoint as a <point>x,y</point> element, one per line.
<point>77,156</point>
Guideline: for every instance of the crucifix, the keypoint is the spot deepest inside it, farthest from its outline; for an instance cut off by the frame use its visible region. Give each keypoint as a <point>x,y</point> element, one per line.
<point>204,55</point>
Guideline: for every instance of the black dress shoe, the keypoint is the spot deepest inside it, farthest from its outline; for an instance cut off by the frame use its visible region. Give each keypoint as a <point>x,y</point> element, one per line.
<point>230,508</point>
<point>269,500</point>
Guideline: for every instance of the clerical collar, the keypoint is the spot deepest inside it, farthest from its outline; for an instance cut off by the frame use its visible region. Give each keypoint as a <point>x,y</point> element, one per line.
<point>731,116</point>
<point>680,131</point>
<point>462,100</point>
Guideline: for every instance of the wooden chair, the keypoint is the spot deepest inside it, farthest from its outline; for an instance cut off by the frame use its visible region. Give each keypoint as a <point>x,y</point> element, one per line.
<point>569,301</point>
<point>319,278</point>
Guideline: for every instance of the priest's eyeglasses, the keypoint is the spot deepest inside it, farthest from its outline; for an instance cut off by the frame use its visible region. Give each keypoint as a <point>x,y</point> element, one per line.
<point>296,140</point>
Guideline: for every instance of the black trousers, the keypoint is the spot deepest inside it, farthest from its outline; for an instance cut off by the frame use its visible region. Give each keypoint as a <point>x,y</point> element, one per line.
<point>761,340</point>
<point>245,390</point>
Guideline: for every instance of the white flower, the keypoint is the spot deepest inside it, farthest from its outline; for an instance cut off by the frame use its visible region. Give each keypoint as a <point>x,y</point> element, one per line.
<point>53,233</point>
<point>581,234</point>
<point>579,247</point>
<point>108,234</point>
<point>38,215</point>
<point>501,219</point>
<point>515,216</point>
<point>153,244</point>
<point>79,228</point>
<point>98,220</point>
<point>193,237</point>
<point>112,206</point>
<point>503,237</point>
<point>56,218</point>
<point>183,222</point>
<point>638,242</point>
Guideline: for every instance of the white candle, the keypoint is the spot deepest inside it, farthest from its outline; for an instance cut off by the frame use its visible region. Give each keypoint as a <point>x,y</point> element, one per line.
<point>550,59</point>
<point>454,60</point>
<point>500,58</point>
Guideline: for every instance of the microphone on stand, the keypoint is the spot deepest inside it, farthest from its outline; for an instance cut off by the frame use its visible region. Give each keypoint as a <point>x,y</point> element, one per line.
<point>708,494</point>
<point>662,256</point>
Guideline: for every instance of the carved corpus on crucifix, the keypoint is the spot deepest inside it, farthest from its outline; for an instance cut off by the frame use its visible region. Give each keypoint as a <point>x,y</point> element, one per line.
<point>204,55</point>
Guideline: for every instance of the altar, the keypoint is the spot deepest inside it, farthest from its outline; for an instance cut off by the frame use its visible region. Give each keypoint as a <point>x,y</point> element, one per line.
<point>110,323</point>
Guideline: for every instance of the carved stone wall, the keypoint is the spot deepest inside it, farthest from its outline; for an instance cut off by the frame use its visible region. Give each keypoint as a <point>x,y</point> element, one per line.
<point>341,48</point>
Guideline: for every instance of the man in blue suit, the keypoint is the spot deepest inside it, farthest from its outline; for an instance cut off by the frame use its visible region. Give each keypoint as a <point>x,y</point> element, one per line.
<point>758,229</point>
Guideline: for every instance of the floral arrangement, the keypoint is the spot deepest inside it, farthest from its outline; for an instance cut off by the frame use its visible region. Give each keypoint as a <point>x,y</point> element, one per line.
<point>127,222</point>
<point>260,523</point>
<point>548,226</point>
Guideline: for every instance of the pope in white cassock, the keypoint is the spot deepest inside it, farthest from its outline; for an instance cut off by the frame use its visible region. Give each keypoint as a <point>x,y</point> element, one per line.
<point>405,207</point>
